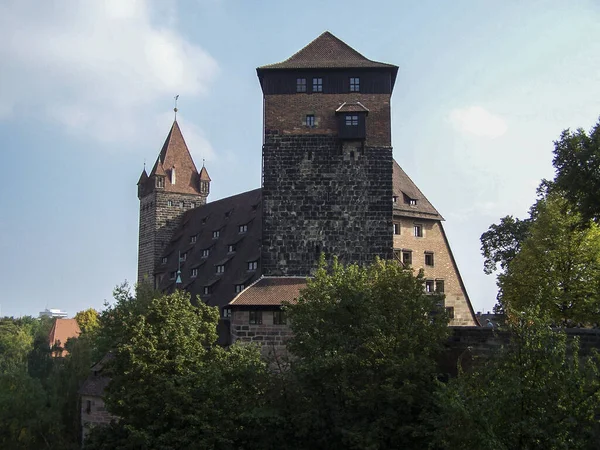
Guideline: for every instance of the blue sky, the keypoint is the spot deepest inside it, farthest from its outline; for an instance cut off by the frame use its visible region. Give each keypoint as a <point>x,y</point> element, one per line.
<point>86,95</point>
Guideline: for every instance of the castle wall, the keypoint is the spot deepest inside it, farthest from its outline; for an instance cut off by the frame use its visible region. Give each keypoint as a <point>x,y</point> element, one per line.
<point>324,195</point>
<point>93,413</point>
<point>272,338</point>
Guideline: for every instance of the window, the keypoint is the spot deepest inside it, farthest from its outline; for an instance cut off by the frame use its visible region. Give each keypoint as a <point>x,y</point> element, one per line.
<point>450,312</point>
<point>398,255</point>
<point>170,203</point>
<point>395,199</point>
<point>220,268</point>
<point>204,187</point>
<point>226,313</point>
<point>439,286</point>
<point>429,258</point>
<point>181,205</point>
<point>231,248</point>
<point>239,288</point>
<point>194,273</point>
<point>255,318</point>
<point>88,406</point>
<point>193,239</point>
<point>172,275</point>
<point>160,182</point>
<point>406,257</point>
<point>216,234</point>
<point>206,290</point>
<point>310,120</point>
<point>412,201</point>
<point>252,265</point>
<point>351,120</point>
<point>301,85</point>
<point>396,228</point>
<point>164,260</point>
<point>317,84</point>
<point>429,286</point>
<point>193,205</point>
<point>205,252</point>
<point>354,84</point>
<point>279,318</point>
<point>243,228</point>
<point>418,230</point>
<point>183,257</point>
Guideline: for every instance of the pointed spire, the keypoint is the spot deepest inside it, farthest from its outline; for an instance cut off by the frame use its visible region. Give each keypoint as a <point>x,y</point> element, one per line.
<point>204,174</point>
<point>143,177</point>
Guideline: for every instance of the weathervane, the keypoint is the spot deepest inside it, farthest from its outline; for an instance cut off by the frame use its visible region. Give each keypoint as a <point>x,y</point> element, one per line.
<point>175,109</point>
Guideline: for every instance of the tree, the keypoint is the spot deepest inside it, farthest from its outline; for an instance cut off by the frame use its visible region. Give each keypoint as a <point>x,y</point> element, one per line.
<point>538,392</point>
<point>557,267</point>
<point>172,386</point>
<point>87,320</point>
<point>502,242</point>
<point>363,370</point>
<point>577,164</point>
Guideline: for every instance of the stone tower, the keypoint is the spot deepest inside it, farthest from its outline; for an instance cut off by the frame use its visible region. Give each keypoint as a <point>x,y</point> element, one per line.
<point>327,158</point>
<point>173,186</point>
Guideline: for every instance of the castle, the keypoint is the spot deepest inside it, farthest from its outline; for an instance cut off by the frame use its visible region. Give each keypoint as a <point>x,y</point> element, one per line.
<point>329,185</point>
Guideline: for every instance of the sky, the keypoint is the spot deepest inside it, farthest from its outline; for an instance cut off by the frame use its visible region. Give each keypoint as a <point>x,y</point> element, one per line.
<point>87,91</point>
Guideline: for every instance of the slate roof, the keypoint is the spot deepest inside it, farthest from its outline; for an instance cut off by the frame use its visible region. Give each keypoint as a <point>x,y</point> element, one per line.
<point>95,384</point>
<point>62,330</point>
<point>327,52</point>
<point>226,216</point>
<point>175,153</point>
<point>270,291</point>
<point>405,190</point>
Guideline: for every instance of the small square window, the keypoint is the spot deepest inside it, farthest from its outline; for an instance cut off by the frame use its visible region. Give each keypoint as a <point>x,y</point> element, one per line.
<point>231,248</point>
<point>252,265</point>
<point>205,252</point>
<point>239,288</point>
<point>226,313</point>
<point>396,228</point>
<point>193,239</point>
<point>310,120</point>
<point>164,260</point>
<point>206,290</point>
<point>406,257</point>
<point>216,234</point>
<point>412,202</point>
<point>317,84</point>
<point>429,259</point>
<point>351,120</point>
<point>395,199</point>
<point>169,202</point>
<point>193,205</point>
<point>355,84</point>
<point>301,85</point>
<point>418,230</point>
<point>243,228</point>
<point>220,268</point>
<point>429,286</point>
<point>450,312</point>
<point>255,318</point>
<point>194,273</point>
<point>439,286</point>
<point>279,318</point>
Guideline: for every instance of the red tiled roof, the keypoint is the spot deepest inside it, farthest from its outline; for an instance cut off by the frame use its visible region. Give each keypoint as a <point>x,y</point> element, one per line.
<point>405,189</point>
<point>63,329</point>
<point>204,174</point>
<point>270,291</point>
<point>175,153</point>
<point>327,52</point>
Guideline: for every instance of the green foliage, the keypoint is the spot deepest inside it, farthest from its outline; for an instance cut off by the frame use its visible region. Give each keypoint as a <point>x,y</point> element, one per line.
<point>88,320</point>
<point>172,386</point>
<point>502,242</point>
<point>364,346</point>
<point>577,164</point>
<point>558,266</point>
<point>536,393</point>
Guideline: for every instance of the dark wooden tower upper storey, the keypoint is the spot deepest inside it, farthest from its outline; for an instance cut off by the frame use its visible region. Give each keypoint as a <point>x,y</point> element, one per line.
<point>328,88</point>
<point>327,158</point>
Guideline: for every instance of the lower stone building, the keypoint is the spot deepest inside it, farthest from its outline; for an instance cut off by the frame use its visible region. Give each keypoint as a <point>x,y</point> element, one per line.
<point>92,409</point>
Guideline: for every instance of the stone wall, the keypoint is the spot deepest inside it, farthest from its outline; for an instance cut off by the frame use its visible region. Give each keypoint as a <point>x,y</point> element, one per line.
<point>93,413</point>
<point>272,338</point>
<point>321,194</point>
<point>444,267</point>
<point>158,222</point>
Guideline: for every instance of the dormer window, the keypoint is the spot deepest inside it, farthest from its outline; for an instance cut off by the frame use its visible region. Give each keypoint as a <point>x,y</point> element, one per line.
<point>231,248</point>
<point>173,175</point>
<point>193,239</point>
<point>160,182</point>
<point>194,273</point>
<point>301,85</point>
<point>164,260</point>
<point>243,228</point>
<point>355,84</point>
<point>252,265</point>
<point>239,288</point>
<point>395,199</point>
<point>413,202</point>
<point>206,290</point>
<point>220,268</point>
<point>216,234</point>
<point>205,252</point>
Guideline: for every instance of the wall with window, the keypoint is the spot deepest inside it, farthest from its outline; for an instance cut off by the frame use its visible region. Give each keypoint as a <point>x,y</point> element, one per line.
<point>267,327</point>
<point>423,243</point>
<point>93,413</point>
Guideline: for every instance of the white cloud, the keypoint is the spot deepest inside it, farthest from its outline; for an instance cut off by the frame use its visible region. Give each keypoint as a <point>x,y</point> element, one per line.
<point>99,68</point>
<point>477,121</point>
